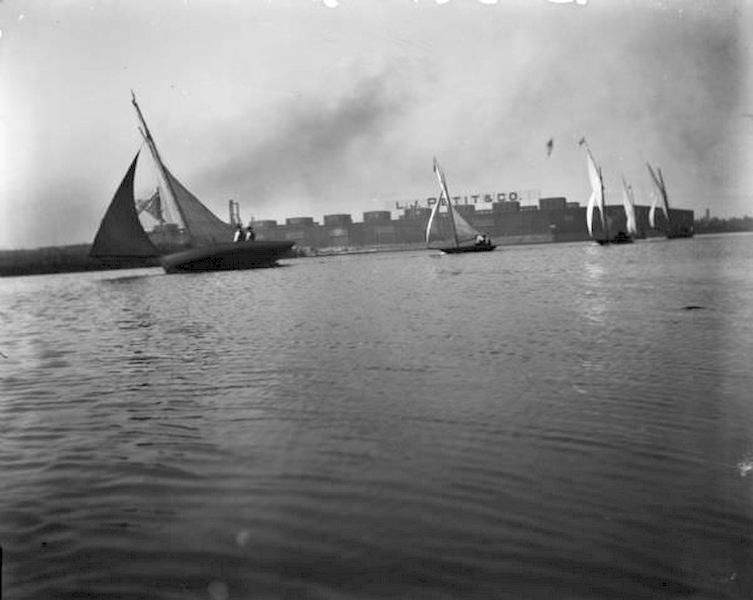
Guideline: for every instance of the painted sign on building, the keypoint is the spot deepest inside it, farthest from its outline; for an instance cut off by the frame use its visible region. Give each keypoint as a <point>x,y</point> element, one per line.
<point>474,199</point>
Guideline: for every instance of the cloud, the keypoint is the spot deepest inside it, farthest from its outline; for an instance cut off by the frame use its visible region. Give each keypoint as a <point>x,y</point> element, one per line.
<point>311,148</point>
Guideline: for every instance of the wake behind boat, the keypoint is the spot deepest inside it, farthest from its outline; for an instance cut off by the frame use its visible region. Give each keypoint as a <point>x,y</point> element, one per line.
<point>449,231</point>
<point>122,236</point>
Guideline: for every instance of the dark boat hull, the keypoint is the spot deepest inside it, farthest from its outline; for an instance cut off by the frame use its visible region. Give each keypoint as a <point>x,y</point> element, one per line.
<point>464,249</point>
<point>620,238</point>
<point>676,235</point>
<point>231,256</point>
<point>610,242</point>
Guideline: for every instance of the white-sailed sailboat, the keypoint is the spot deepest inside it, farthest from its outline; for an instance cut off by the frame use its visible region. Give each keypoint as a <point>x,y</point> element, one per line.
<point>672,230</point>
<point>628,201</point>
<point>447,230</point>
<point>596,200</point>
<point>652,209</point>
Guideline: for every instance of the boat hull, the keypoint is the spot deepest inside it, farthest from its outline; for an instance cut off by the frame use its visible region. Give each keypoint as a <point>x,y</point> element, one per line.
<point>232,256</point>
<point>610,242</point>
<point>464,249</point>
<point>676,235</point>
<point>620,238</point>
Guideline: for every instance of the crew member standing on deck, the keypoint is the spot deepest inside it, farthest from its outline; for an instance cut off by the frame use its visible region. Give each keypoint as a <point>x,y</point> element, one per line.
<point>250,233</point>
<point>238,237</point>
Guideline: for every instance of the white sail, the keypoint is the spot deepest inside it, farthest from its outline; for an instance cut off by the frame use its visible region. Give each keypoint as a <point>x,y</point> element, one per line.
<point>628,201</point>
<point>590,213</point>
<point>432,216</point>
<point>442,181</point>
<point>652,210</point>
<point>659,183</point>
<point>597,193</point>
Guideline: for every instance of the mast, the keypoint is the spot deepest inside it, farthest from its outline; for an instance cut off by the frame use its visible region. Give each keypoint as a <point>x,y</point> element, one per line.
<point>146,134</point>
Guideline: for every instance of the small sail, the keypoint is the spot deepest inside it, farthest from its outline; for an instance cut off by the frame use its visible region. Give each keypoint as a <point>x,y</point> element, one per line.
<point>628,201</point>
<point>152,206</point>
<point>120,233</point>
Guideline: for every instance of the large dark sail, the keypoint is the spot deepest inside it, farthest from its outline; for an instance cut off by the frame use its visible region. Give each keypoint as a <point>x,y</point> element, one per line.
<point>120,234</point>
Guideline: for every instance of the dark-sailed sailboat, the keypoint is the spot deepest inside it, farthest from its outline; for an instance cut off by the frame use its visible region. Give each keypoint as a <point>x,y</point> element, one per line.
<point>450,232</point>
<point>121,235</point>
<point>673,230</point>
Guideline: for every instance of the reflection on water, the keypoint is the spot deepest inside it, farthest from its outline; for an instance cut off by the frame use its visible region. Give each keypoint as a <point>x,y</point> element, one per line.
<point>542,421</point>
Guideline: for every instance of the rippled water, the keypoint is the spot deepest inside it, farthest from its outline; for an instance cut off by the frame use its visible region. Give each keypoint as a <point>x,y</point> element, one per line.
<point>554,421</point>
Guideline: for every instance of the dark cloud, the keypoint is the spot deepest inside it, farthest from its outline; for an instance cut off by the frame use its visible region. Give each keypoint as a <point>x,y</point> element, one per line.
<point>312,147</point>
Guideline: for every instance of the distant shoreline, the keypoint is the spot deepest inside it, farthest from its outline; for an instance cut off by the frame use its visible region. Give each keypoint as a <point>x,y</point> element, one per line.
<point>75,259</point>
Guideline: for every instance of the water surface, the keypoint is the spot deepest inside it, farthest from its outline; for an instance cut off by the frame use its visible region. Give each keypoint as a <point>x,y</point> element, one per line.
<point>553,421</point>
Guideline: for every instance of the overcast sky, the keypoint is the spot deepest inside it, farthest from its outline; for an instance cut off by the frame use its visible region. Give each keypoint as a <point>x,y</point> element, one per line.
<point>303,108</point>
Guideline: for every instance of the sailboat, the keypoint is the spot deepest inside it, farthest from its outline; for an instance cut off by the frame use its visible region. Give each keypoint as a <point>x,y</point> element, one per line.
<point>673,230</point>
<point>449,231</point>
<point>210,246</point>
<point>596,200</point>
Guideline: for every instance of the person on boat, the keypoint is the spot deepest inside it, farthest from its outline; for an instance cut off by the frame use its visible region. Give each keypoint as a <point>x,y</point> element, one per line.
<point>238,237</point>
<point>480,239</point>
<point>250,233</point>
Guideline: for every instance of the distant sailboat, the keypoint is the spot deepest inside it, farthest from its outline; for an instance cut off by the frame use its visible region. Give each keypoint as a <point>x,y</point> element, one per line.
<point>652,209</point>
<point>449,231</point>
<point>596,200</point>
<point>121,235</point>
<point>628,201</point>
<point>673,230</point>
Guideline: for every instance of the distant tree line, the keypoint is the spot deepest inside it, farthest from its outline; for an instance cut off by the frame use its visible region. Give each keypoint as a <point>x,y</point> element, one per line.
<point>60,259</point>
<point>716,225</point>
